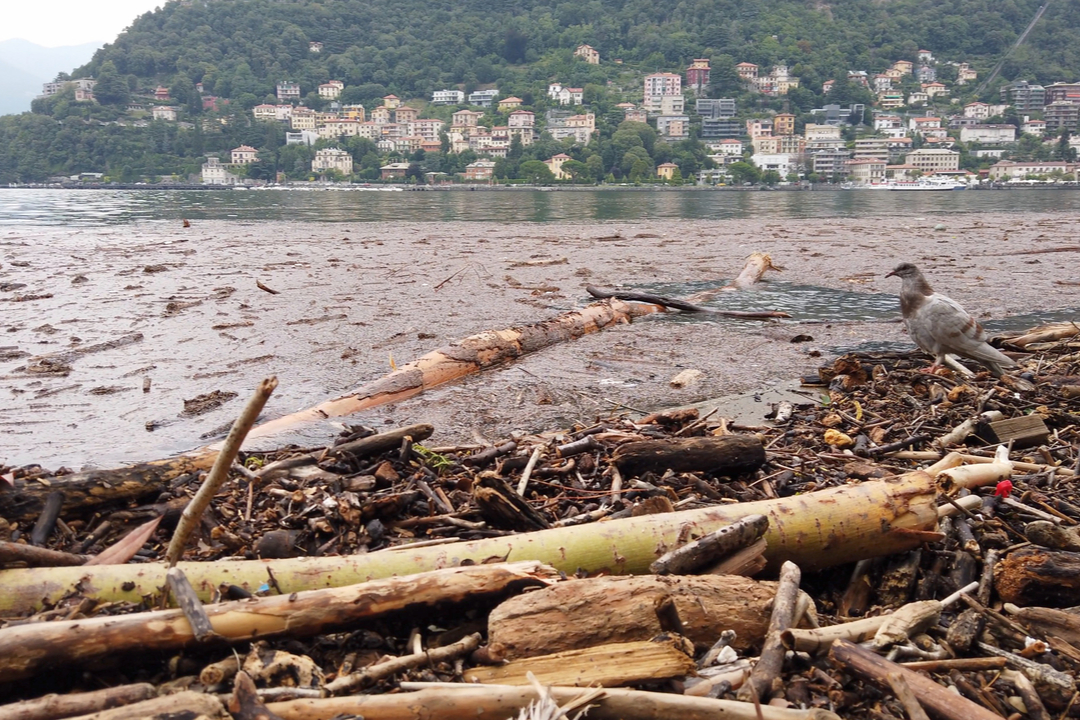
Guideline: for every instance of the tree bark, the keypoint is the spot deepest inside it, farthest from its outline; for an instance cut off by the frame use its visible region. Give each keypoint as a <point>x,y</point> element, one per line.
<point>718,455</point>
<point>1037,576</point>
<point>28,649</point>
<point>54,707</point>
<point>594,611</point>
<point>186,705</point>
<point>816,530</point>
<point>771,662</point>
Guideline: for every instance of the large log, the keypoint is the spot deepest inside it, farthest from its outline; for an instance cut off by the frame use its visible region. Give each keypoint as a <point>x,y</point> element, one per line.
<point>32,648</point>
<point>816,530</point>
<point>499,702</point>
<point>465,357</point>
<point>55,707</point>
<point>600,610</point>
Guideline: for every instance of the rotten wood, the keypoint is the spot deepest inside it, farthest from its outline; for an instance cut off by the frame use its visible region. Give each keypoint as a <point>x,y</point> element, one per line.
<point>31,556</point>
<point>718,455</point>
<point>759,686</point>
<point>1038,576</point>
<point>711,548</point>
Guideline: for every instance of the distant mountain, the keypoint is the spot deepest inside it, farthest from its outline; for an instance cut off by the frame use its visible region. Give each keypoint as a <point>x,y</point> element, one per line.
<point>24,66</point>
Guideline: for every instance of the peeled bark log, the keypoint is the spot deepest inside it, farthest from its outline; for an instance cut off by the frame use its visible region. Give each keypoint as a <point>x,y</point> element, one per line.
<point>465,357</point>
<point>816,530</point>
<point>728,454</point>
<point>186,705</point>
<point>601,610</point>
<point>756,265</point>
<point>1037,576</point>
<point>498,702</point>
<point>28,649</point>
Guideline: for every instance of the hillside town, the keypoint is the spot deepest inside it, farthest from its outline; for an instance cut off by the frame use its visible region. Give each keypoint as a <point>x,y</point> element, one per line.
<point>914,125</point>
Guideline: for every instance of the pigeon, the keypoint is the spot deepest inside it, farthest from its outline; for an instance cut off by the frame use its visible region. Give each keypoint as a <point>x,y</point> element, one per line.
<point>940,326</point>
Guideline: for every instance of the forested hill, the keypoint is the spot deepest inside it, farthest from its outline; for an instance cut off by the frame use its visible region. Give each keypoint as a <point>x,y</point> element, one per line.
<point>412,47</point>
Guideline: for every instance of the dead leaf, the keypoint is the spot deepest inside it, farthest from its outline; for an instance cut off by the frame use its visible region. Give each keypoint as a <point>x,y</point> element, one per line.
<point>125,548</point>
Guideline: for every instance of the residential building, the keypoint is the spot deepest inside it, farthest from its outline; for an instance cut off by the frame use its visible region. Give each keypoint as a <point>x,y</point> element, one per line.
<point>555,165</point>
<point>244,154</point>
<point>747,71</point>
<point>84,95</point>
<point>265,112</point>
<point>393,102</point>
<point>921,124</point>
<point>1023,95</point>
<point>215,173</point>
<point>964,74</point>
<point>466,118</point>
<point>483,98</point>
<point>672,104</point>
<point>447,97</point>
<point>405,114</point>
<point>866,171</point>
<point>779,144</point>
<point>901,172</point>
<point>431,146</point>
<point>331,90</point>
<point>509,104</point>
<point>918,98</point>
<point>332,159</point>
<point>666,171</point>
<point>1009,170</point>
<point>925,57</point>
<point>1035,127</point>
<point>714,108</point>
<point>890,100</point>
<point>882,83</point>
<point>827,86</point>
<point>161,93</point>
<point>164,112</point>
<point>783,164</point>
<point>834,114</point>
<point>588,53</point>
<point>521,120</point>
<point>287,91</point>
<point>830,163</point>
<point>675,127</point>
<point>871,148</point>
<point>932,160</point>
<point>393,171</point>
<point>697,75</point>
<point>1063,92</point>
<point>720,128</point>
<point>339,127</point>
<point>305,137</point>
<point>657,86</point>
<point>813,132</point>
<point>353,112</point>
<point>1062,115</point>
<point>730,146</point>
<point>426,128</point>
<point>899,147</point>
<point>903,66</point>
<point>480,170</point>
<point>784,124</point>
<point>758,127</point>
<point>979,110</point>
<point>578,127</point>
<point>859,77</point>
<point>303,118</point>
<point>933,89</point>
<point>51,88</point>
<point>926,74</point>
<point>988,134</point>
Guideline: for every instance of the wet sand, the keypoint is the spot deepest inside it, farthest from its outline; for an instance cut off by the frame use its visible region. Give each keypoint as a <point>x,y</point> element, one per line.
<point>355,297</point>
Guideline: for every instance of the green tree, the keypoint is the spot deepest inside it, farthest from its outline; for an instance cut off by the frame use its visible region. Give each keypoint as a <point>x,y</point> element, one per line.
<point>536,172</point>
<point>743,172</point>
<point>111,87</point>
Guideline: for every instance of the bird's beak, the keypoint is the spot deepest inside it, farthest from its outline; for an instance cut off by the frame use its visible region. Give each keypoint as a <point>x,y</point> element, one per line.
<point>891,273</point>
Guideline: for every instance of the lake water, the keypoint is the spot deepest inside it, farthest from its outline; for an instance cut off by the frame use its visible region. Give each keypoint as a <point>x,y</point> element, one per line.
<point>370,278</point>
<point>103,207</point>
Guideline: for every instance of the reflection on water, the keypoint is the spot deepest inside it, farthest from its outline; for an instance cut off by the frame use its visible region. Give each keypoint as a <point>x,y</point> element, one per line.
<point>104,207</point>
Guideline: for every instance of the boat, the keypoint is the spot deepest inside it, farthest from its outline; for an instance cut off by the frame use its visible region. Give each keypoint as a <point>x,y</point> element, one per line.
<point>921,184</point>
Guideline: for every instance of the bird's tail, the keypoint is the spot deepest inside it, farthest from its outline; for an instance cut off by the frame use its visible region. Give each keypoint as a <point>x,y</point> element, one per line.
<point>993,359</point>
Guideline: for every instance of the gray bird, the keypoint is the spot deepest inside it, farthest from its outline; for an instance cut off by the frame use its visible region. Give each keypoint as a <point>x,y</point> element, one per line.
<point>940,326</point>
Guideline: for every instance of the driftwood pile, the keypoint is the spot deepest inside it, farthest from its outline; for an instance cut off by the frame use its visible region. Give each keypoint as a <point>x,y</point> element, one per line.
<point>901,544</point>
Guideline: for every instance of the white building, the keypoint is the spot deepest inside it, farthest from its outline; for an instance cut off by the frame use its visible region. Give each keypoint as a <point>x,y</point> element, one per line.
<point>332,159</point>
<point>331,90</point>
<point>164,112</point>
<point>988,134</point>
<point>447,97</point>
<point>244,154</point>
<point>932,160</point>
<point>657,86</point>
<point>214,173</point>
<point>783,164</point>
<point>566,95</point>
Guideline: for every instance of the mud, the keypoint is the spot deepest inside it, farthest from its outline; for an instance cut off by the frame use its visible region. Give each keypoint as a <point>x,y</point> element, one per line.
<point>353,300</point>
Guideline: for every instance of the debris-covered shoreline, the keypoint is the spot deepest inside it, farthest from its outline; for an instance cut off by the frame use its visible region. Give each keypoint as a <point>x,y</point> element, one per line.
<point>891,489</point>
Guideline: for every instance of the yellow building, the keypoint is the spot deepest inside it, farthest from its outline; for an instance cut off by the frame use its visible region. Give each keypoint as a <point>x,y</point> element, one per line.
<point>555,165</point>
<point>666,171</point>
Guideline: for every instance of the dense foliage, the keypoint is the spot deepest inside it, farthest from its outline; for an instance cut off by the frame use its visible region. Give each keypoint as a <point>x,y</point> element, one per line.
<point>240,49</point>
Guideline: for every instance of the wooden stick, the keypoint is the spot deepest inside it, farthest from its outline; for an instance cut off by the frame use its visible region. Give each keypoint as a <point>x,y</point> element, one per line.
<point>524,483</point>
<point>769,665</point>
<point>54,707</point>
<point>456,701</point>
<point>11,552</point>
<point>935,698</point>
<point>923,455</point>
<point>189,518</point>
<point>907,698</point>
<point>47,520</point>
<point>186,704</point>
<point>26,649</point>
<point>976,664</point>
<point>389,668</point>
<point>189,604</point>
<point>245,703</point>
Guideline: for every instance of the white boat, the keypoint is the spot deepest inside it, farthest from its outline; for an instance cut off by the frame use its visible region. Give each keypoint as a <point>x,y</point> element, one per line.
<point>921,184</point>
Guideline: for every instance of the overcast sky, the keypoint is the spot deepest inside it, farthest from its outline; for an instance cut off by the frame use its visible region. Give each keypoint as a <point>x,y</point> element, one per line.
<point>54,23</point>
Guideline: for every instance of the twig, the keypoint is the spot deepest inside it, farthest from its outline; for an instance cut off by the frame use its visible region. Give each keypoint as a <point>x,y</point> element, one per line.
<point>524,483</point>
<point>189,518</point>
<point>377,672</point>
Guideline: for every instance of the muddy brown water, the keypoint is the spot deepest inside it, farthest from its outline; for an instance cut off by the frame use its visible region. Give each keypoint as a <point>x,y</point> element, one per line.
<point>355,298</point>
